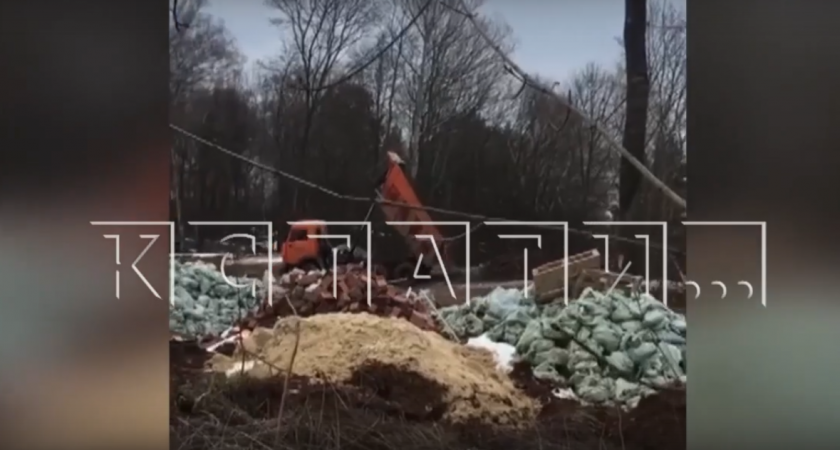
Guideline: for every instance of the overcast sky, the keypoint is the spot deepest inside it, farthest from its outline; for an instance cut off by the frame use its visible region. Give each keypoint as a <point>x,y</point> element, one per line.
<point>554,38</point>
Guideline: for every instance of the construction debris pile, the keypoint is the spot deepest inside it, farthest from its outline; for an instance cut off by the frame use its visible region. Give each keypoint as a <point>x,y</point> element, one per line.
<point>205,303</point>
<point>320,292</point>
<point>608,348</point>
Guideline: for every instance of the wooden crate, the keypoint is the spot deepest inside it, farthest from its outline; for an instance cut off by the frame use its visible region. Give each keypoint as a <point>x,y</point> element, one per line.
<point>602,281</point>
<point>549,278</point>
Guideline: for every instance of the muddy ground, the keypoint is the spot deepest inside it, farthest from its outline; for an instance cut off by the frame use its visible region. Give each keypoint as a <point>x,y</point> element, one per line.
<point>212,413</point>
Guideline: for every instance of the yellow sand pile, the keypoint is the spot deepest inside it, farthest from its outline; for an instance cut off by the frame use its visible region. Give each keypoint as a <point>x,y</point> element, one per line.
<point>334,347</point>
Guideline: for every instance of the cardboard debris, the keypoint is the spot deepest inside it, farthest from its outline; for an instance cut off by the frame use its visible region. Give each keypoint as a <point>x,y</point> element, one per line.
<point>321,292</point>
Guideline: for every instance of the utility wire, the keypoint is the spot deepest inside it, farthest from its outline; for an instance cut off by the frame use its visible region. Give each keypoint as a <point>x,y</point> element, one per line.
<point>369,200</point>
<point>528,80</point>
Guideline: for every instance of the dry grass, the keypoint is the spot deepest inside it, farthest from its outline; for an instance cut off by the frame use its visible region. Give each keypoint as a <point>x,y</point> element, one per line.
<point>237,415</point>
<point>220,413</point>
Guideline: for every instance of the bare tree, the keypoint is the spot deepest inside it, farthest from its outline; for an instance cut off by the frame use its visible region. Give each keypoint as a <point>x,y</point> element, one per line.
<point>598,93</point>
<point>417,75</point>
<point>200,53</point>
<point>666,52</point>
<point>666,45</point>
<point>449,70</point>
<point>563,161</point>
<point>381,77</point>
<point>322,33</point>
<point>537,148</point>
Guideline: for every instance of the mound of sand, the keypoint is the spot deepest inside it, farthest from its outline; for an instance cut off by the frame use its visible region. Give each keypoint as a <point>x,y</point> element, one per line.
<point>401,363</point>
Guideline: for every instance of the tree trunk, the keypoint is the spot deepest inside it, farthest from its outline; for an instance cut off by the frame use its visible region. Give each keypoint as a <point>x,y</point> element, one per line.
<point>635,120</point>
<point>638,87</point>
<point>178,179</point>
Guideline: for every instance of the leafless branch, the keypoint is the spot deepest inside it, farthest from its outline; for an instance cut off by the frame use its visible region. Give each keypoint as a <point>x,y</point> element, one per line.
<point>179,26</point>
<point>359,69</point>
<point>614,144</point>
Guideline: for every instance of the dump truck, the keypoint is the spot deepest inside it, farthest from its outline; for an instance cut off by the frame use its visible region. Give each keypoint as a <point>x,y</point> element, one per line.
<point>399,250</point>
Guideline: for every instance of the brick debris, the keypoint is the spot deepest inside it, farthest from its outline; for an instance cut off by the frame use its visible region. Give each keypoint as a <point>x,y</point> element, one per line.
<point>308,293</point>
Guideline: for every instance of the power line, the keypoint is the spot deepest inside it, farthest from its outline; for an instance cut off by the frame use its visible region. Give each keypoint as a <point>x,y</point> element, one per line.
<point>529,81</point>
<point>368,200</point>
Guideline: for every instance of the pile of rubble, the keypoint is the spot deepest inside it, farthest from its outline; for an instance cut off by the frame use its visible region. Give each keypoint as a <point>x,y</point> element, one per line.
<point>320,292</point>
<point>205,303</point>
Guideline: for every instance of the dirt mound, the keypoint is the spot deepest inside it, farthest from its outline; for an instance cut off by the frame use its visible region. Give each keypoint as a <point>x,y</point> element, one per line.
<point>424,373</point>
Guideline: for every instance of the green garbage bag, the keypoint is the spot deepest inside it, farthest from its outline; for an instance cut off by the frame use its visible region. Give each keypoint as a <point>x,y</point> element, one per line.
<point>655,319</point>
<point>531,333</point>
<point>606,337</point>
<point>620,362</point>
<point>557,357</point>
<point>547,372</point>
<point>642,353</point>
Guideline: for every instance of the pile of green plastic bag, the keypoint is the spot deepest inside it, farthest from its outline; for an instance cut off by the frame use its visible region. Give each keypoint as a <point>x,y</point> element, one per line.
<point>205,303</point>
<point>609,349</point>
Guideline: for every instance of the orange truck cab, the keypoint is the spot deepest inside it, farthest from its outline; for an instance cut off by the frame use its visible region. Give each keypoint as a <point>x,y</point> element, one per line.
<point>302,249</point>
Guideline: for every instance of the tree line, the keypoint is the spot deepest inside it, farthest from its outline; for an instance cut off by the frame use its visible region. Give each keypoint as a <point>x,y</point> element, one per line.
<point>353,79</point>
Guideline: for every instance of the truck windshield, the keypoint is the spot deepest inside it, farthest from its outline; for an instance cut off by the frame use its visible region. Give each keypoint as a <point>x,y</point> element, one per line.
<point>298,234</point>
